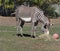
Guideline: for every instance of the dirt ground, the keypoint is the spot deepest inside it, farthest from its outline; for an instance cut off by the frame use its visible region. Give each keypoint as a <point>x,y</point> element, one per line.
<point>7,21</point>
<point>11,21</point>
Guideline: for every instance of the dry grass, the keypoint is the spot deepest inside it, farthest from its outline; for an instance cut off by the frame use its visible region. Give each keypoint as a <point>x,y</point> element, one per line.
<point>10,42</point>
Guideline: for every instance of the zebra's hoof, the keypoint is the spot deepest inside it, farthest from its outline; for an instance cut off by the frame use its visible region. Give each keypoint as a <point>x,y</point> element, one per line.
<point>33,36</point>
<point>19,35</point>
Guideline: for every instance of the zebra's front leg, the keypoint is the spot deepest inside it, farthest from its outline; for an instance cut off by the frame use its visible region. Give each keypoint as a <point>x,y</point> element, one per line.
<point>33,31</point>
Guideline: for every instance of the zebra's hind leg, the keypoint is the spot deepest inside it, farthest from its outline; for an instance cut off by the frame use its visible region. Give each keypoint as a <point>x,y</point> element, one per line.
<point>21,27</point>
<point>17,25</point>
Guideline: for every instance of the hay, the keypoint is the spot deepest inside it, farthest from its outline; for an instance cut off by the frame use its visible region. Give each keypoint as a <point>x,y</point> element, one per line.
<point>46,37</point>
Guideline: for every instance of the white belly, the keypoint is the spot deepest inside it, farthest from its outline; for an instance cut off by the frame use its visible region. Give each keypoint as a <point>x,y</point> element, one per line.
<point>26,19</point>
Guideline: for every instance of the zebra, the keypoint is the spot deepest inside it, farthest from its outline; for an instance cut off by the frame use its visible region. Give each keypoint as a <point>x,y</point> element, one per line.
<point>31,15</point>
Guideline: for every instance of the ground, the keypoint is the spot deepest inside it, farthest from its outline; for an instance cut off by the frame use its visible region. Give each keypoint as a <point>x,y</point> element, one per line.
<point>11,21</point>
<point>7,21</point>
<point>10,42</point>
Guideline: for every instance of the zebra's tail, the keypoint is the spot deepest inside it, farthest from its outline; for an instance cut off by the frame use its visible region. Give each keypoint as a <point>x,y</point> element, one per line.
<point>13,13</point>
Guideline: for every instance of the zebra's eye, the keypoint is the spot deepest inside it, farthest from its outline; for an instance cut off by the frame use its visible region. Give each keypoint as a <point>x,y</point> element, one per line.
<point>45,26</point>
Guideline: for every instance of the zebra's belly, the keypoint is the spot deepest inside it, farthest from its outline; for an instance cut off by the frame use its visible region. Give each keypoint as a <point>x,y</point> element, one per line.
<point>26,19</point>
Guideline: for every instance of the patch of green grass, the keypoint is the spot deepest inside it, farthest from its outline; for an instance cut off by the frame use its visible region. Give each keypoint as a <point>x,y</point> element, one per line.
<point>8,28</point>
<point>10,42</point>
<point>55,30</point>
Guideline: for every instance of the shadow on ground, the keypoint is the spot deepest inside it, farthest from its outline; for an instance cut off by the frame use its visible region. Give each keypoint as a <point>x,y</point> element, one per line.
<point>25,35</point>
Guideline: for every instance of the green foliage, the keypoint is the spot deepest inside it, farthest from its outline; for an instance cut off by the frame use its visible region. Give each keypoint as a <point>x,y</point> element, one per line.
<point>9,4</point>
<point>0,2</point>
<point>43,4</point>
<point>49,11</point>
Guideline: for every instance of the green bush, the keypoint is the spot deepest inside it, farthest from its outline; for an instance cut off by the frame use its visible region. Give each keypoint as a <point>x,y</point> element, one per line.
<point>43,4</point>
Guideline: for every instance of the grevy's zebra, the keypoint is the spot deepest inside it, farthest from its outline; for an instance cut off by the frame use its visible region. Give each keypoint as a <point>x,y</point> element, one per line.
<point>32,15</point>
